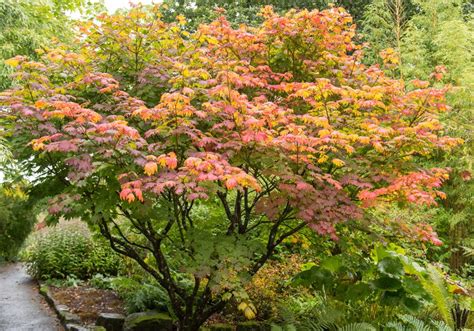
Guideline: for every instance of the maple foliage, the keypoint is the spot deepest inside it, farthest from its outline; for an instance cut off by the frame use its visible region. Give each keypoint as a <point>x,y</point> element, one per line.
<point>281,126</point>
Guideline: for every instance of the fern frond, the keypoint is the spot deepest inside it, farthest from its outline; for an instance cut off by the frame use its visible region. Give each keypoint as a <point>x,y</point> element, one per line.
<point>396,326</point>
<point>417,324</point>
<point>358,327</point>
<point>468,251</point>
<point>441,326</point>
<point>434,284</point>
<point>316,325</point>
<point>411,323</point>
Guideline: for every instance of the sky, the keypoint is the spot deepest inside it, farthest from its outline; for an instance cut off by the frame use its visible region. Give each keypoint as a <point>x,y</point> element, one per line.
<point>113,5</point>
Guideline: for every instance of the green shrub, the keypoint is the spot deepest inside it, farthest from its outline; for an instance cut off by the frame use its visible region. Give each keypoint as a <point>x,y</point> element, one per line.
<point>69,281</point>
<point>137,293</point>
<point>139,296</point>
<point>68,249</point>
<point>101,282</point>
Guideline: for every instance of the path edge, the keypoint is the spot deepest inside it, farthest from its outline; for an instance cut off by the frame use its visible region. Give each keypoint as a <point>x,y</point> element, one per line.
<point>69,320</point>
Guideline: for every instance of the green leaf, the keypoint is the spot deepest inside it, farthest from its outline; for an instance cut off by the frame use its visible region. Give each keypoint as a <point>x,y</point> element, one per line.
<point>358,327</point>
<point>413,286</point>
<point>411,304</point>
<point>387,283</point>
<point>358,291</point>
<point>392,298</point>
<point>315,277</point>
<point>333,263</point>
<point>379,253</point>
<point>391,266</point>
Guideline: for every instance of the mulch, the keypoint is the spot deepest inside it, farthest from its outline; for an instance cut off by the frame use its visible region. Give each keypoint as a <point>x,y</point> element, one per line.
<point>87,302</point>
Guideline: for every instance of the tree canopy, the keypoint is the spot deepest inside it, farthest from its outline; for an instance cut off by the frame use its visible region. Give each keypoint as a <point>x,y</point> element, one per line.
<point>216,146</point>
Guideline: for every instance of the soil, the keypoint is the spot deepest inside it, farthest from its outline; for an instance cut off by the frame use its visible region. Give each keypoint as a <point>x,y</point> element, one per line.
<point>88,303</point>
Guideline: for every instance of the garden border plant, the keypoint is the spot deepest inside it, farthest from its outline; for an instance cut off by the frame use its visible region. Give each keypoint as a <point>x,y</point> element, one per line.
<point>68,251</point>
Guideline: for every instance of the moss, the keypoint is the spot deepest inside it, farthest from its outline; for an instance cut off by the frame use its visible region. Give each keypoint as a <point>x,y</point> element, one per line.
<point>253,326</point>
<point>68,317</point>
<point>220,327</point>
<point>44,289</point>
<point>151,320</point>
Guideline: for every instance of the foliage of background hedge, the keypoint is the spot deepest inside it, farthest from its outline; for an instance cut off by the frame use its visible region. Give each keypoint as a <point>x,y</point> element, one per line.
<point>15,222</point>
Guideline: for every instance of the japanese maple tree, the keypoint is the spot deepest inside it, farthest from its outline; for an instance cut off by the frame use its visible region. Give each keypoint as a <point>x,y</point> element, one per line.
<point>196,155</point>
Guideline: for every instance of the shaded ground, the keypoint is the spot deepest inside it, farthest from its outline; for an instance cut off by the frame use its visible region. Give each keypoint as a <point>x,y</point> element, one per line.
<point>21,306</point>
<point>88,302</point>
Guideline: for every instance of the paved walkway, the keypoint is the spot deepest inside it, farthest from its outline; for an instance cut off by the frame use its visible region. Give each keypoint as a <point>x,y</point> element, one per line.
<point>21,306</point>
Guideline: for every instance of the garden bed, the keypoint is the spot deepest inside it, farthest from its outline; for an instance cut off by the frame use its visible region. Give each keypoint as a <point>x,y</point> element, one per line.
<point>86,302</point>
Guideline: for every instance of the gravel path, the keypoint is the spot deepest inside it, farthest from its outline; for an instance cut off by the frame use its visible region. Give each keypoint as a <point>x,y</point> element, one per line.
<point>21,306</point>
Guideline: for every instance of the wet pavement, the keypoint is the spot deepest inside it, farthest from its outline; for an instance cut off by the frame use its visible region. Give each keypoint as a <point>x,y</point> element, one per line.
<point>21,306</point>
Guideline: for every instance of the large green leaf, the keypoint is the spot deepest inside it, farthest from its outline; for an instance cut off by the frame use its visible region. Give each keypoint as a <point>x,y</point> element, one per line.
<point>316,277</point>
<point>413,286</point>
<point>391,266</point>
<point>411,304</point>
<point>358,291</point>
<point>392,298</point>
<point>386,283</point>
<point>332,263</point>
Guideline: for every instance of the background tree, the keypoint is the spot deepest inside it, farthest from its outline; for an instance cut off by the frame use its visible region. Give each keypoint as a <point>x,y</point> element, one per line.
<point>436,42</point>
<point>28,25</point>
<point>15,220</point>
<point>443,36</point>
<point>245,11</point>
<point>25,27</point>
<point>384,26</point>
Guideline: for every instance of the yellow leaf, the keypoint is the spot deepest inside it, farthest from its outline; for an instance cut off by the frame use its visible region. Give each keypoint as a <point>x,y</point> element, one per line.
<point>250,312</point>
<point>378,147</point>
<point>242,306</point>
<point>338,162</point>
<point>364,140</point>
<point>186,73</point>
<point>323,158</point>
<point>38,146</point>
<point>324,132</point>
<point>151,168</point>
<point>349,149</point>
<point>181,19</point>
<point>13,62</point>
<point>212,41</point>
